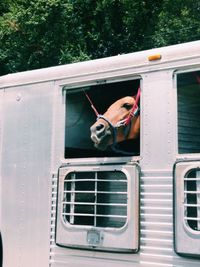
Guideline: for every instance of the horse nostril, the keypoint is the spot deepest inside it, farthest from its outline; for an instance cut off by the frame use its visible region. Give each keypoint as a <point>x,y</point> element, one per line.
<point>98,132</point>
<point>100,127</point>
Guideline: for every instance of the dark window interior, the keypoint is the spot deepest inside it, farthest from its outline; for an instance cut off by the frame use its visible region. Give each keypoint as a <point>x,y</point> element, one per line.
<point>188,87</point>
<point>80,117</point>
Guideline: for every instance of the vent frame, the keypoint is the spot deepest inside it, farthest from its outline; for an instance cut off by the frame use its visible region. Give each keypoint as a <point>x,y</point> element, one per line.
<point>186,237</point>
<point>124,238</point>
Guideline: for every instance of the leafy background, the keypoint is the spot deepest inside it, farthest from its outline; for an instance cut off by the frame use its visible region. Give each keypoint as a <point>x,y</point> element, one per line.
<point>42,33</point>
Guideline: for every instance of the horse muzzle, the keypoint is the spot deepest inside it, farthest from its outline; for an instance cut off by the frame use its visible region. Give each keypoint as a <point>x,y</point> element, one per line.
<point>100,135</point>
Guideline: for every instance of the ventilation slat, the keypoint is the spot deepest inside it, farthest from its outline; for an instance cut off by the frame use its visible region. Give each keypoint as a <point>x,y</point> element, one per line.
<point>97,204</point>
<point>93,180</point>
<point>191,179</point>
<point>192,219</point>
<point>191,205</point>
<point>94,215</point>
<point>93,192</point>
<point>191,192</point>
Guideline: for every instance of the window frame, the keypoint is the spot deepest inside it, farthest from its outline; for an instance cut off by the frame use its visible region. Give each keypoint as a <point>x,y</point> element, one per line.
<point>109,80</point>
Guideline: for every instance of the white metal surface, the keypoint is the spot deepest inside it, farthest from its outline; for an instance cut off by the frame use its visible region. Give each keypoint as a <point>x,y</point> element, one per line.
<point>26,174</point>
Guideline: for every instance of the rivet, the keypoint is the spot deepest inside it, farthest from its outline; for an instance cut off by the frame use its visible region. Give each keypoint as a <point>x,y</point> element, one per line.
<point>18,97</point>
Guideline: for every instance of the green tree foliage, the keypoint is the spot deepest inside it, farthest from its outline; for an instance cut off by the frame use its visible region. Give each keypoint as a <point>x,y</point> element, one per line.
<point>33,33</point>
<point>42,33</point>
<point>178,21</point>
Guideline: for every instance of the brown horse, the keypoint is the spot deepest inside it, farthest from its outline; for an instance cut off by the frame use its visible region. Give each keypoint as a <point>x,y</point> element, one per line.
<point>120,122</point>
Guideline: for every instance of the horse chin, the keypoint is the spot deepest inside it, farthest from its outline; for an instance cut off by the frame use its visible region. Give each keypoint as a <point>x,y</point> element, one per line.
<point>101,146</point>
<point>103,143</point>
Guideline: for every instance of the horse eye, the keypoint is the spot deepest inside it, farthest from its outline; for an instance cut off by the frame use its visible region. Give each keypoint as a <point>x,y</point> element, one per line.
<point>127,106</point>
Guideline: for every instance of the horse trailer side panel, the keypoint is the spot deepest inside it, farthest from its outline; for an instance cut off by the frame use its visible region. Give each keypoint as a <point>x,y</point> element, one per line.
<point>44,112</point>
<point>25,174</point>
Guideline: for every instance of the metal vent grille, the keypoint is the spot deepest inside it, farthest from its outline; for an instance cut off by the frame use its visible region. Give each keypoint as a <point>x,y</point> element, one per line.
<point>192,199</point>
<point>97,198</point>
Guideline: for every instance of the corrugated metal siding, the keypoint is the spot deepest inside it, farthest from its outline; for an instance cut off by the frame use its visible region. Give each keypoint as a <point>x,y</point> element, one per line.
<point>156,234</point>
<point>156,219</point>
<point>53,217</point>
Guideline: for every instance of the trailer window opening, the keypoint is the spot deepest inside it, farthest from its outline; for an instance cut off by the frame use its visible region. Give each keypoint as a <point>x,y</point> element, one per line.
<point>80,117</point>
<point>188,93</point>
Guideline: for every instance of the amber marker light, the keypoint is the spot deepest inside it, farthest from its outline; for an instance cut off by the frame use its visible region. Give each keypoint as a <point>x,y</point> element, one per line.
<point>154,57</point>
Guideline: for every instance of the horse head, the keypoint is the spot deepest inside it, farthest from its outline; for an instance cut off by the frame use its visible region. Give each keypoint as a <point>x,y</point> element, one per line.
<point>120,122</point>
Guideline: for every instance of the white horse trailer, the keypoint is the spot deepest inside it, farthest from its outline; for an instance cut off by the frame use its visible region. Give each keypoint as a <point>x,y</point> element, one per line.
<point>63,202</point>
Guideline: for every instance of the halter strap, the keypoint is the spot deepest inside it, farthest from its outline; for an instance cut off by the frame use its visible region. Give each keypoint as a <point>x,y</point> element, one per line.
<point>92,105</point>
<point>135,108</point>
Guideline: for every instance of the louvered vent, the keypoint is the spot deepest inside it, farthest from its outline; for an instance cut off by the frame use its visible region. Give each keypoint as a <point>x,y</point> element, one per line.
<point>192,199</point>
<point>96,199</point>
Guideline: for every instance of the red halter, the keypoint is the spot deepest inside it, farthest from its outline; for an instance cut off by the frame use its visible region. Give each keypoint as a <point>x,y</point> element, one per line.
<point>92,105</point>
